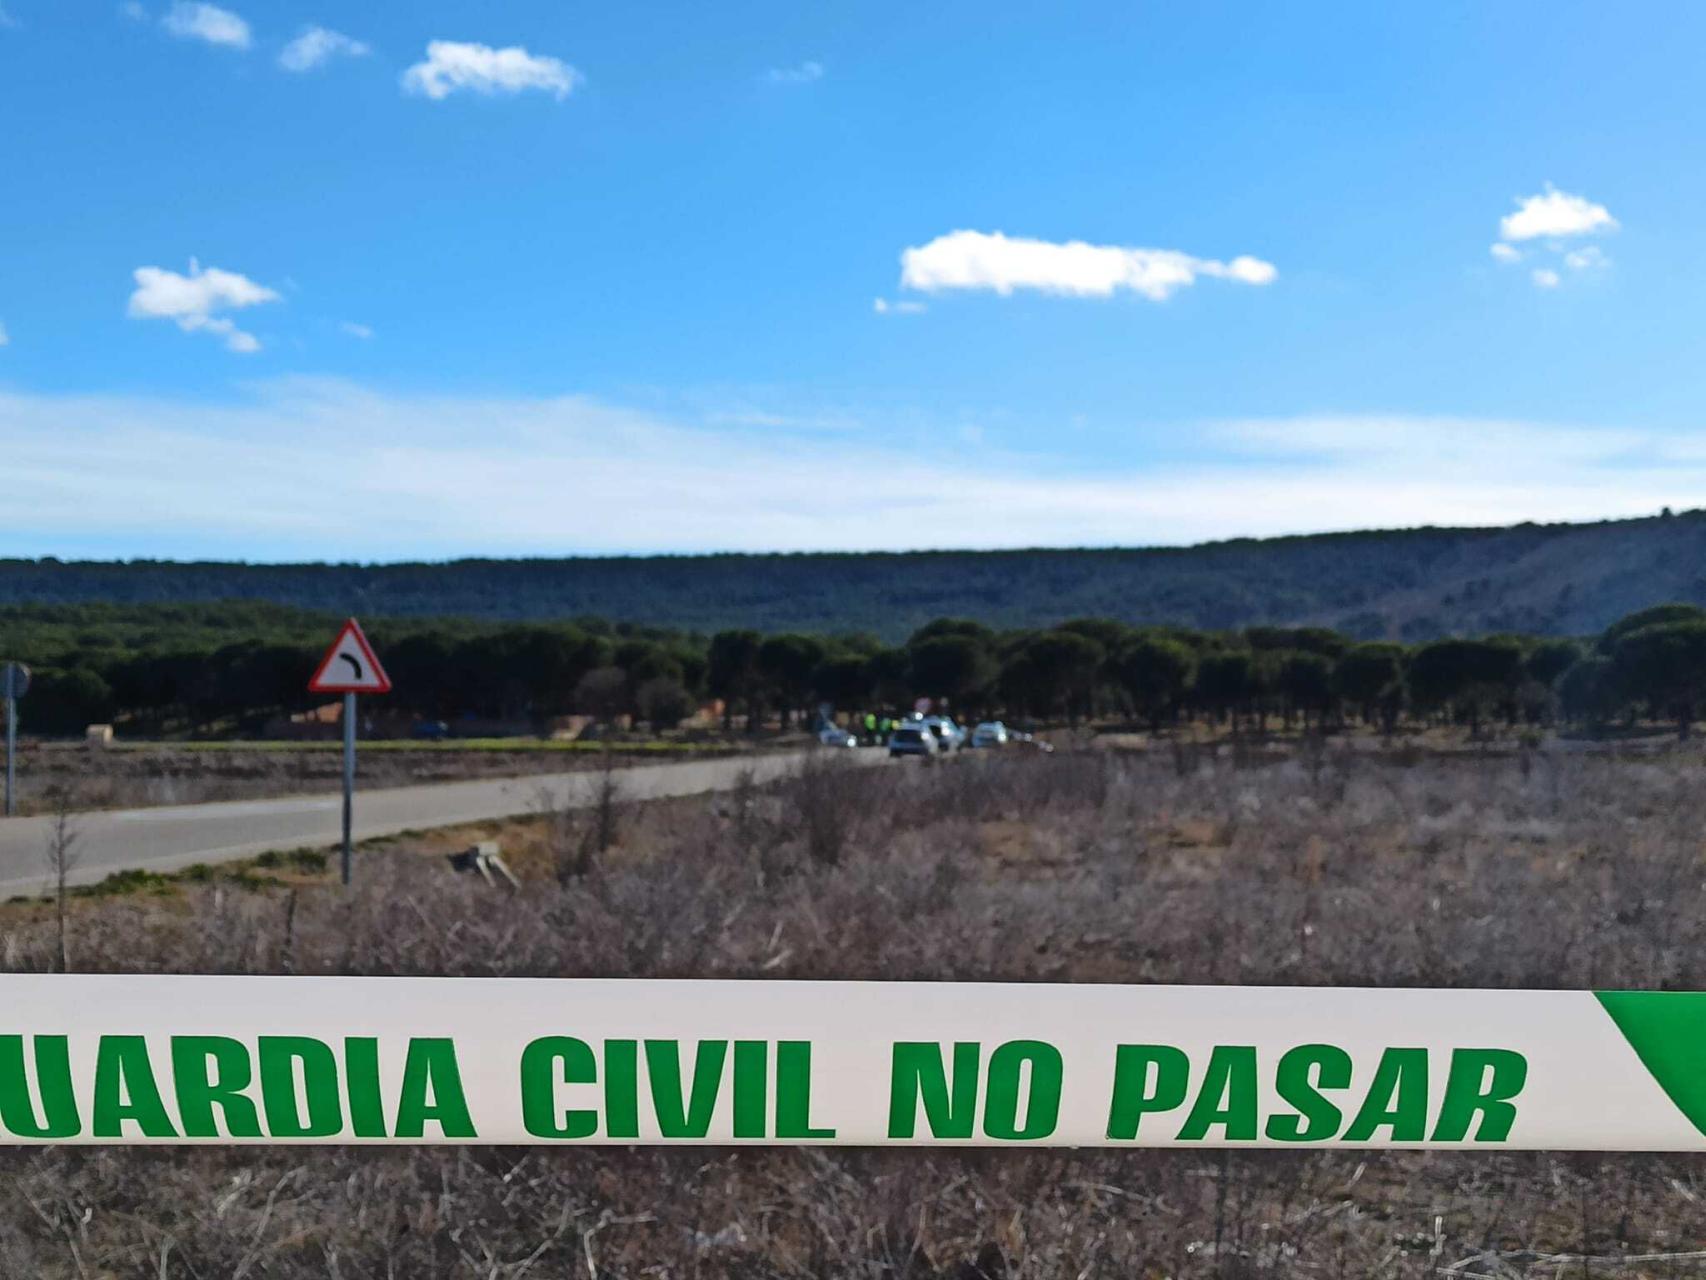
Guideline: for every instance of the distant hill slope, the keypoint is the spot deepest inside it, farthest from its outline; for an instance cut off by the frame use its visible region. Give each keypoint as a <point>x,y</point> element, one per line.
<point>1408,584</point>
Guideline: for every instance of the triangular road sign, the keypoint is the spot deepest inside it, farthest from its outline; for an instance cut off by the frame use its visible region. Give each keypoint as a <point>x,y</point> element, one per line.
<point>350,666</point>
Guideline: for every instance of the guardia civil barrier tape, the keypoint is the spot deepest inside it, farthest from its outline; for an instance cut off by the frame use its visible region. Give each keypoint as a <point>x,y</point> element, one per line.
<point>143,1059</point>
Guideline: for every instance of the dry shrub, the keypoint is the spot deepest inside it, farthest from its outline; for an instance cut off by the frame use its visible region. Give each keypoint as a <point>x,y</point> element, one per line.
<point>1335,868</point>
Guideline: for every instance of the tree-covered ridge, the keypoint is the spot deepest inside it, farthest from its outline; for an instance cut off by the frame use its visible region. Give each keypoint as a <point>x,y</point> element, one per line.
<point>1397,585</point>
<point>201,668</point>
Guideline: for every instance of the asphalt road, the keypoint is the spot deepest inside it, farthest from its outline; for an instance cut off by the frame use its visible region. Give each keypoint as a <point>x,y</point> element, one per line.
<point>170,839</point>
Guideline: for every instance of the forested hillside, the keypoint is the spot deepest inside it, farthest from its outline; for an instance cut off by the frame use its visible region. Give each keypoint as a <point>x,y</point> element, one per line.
<point>1403,585</point>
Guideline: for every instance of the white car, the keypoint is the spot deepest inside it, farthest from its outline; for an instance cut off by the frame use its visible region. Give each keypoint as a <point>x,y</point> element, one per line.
<point>949,736</point>
<point>991,733</point>
<point>835,736</point>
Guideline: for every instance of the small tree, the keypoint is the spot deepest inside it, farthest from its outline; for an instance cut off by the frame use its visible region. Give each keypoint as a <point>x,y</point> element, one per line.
<point>732,673</point>
<point>602,693</point>
<point>956,667</point>
<point>1305,680</point>
<point>1588,692</point>
<point>1644,618</point>
<point>606,805</point>
<point>787,663</point>
<point>1542,668</point>
<point>1665,666</point>
<point>1155,672</point>
<point>1463,678</point>
<point>60,859</point>
<point>1550,659</point>
<point>65,701</point>
<point>889,670</point>
<point>844,679</point>
<point>664,702</point>
<point>1225,681</point>
<point>1372,677</point>
<point>1052,670</point>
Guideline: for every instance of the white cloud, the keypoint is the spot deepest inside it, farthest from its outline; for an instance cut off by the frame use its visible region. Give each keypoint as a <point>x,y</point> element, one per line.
<point>805,73</point>
<point>124,475</point>
<point>6,19</point>
<point>5,338</point>
<point>317,46</point>
<point>903,307</point>
<point>979,260</point>
<point>1552,218</point>
<point>192,21</point>
<point>134,11</point>
<point>479,68</point>
<point>1588,258</point>
<point>193,301</point>
<point>356,330</point>
<point>1553,214</point>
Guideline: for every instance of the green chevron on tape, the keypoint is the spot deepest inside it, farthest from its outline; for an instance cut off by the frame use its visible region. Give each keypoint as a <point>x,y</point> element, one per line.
<point>1667,1030</point>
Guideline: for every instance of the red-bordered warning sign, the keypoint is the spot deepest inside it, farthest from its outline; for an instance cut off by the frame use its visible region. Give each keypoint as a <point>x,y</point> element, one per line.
<point>350,666</point>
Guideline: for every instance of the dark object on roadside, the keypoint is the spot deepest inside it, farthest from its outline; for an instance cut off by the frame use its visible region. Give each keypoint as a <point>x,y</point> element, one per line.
<point>430,730</point>
<point>483,858</point>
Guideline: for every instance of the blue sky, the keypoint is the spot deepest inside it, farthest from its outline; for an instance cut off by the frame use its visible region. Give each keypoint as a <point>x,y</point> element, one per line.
<point>539,278</point>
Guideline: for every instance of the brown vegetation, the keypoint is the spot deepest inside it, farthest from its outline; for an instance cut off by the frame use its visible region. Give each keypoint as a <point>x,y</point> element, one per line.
<point>1334,868</point>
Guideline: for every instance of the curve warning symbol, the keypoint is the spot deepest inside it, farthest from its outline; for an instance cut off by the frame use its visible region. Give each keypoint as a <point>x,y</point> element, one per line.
<point>350,666</point>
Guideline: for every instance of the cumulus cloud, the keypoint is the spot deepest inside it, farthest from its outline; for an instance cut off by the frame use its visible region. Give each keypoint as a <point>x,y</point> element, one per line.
<point>903,307</point>
<point>982,260</point>
<point>1552,219</point>
<point>1554,214</point>
<point>805,73</point>
<point>450,66</point>
<point>191,21</point>
<point>317,46</point>
<point>193,302</point>
<point>129,475</point>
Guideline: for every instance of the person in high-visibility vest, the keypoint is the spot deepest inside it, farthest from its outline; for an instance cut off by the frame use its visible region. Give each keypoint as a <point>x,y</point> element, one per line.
<point>871,726</point>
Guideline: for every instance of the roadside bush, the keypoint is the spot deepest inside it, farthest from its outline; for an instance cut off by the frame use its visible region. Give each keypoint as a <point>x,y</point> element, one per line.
<point>664,702</point>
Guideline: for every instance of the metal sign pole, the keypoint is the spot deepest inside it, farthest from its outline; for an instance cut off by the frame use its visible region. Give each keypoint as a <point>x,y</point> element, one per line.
<point>14,684</point>
<point>11,746</point>
<point>349,667</point>
<point>349,775</point>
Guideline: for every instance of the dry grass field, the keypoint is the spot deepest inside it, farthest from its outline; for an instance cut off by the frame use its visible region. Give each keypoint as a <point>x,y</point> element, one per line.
<point>1323,867</point>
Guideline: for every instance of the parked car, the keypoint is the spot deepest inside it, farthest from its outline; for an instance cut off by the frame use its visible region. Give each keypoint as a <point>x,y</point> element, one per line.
<point>949,736</point>
<point>832,735</point>
<point>430,730</point>
<point>991,733</point>
<point>912,739</point>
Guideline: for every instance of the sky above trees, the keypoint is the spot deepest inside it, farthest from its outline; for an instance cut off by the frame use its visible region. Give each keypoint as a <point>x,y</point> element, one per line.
<point>276,281</point>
